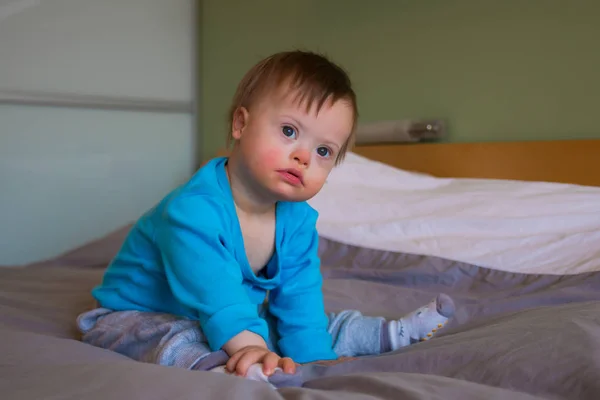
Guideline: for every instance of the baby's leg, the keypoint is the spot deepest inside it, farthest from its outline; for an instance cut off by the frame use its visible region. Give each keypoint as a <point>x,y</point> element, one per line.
<point>357,335</point>
<point>155,338</point>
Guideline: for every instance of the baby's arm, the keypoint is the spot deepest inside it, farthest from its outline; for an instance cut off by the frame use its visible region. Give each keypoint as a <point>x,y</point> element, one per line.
<point>204,276</point>
<point>298,302</point>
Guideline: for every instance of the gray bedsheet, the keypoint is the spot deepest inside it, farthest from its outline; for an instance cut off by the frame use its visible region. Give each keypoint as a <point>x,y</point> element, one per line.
<point>515,336</point>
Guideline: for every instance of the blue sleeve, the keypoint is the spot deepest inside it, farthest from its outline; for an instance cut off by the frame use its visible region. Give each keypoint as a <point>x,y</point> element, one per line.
<point>297,303</point>
<point>202,273</point>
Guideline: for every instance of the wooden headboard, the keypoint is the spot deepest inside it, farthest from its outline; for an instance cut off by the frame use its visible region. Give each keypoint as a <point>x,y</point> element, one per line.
<point>564,161</point>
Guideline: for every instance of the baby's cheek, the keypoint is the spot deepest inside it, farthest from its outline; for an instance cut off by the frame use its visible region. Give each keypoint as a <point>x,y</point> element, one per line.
<point>271,157</point>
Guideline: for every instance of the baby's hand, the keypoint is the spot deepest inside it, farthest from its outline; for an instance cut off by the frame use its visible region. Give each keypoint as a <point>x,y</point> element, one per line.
<point>245,357</point>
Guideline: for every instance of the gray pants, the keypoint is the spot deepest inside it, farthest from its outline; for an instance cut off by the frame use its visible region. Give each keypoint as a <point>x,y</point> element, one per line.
<point>169,340</point>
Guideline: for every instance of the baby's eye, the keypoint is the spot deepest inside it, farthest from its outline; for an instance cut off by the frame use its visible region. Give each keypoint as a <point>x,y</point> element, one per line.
<point>323,152</point>
<point>288,131</point>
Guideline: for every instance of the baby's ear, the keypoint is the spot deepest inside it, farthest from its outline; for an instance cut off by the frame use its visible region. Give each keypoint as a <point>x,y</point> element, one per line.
<point>239,122</point>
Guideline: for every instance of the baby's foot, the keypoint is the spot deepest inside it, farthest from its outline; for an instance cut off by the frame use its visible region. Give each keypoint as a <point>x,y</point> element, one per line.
<point>421,324</point>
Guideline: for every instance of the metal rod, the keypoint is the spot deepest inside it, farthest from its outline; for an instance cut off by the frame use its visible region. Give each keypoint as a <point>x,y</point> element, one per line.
<point>21,97</point>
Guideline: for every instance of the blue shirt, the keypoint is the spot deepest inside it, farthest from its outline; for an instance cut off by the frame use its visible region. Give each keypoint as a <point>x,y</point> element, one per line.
<point>186,257</point>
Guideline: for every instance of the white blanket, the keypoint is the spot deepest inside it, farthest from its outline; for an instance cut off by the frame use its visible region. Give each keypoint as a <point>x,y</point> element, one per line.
<point>528,227</point>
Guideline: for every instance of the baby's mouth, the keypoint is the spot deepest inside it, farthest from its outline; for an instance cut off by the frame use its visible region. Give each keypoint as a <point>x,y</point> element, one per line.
<point>292,176</point>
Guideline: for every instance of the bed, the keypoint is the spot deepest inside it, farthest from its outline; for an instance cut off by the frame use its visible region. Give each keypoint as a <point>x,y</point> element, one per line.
<point>517,249</point>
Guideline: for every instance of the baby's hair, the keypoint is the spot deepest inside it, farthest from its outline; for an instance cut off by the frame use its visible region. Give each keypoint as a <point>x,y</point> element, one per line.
<point>314,77</point>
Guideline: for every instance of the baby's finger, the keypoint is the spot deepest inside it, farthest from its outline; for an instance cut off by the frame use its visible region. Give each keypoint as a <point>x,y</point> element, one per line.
<point>287,365</point>
<point>231,364</point>
<point>270,362</point>
<point>248,358</point>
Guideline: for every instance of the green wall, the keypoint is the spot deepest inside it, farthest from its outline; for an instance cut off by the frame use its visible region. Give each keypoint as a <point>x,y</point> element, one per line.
<point>496,71</point>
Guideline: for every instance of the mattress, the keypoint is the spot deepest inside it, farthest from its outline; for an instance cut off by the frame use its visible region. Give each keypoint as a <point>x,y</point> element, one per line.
<point>515,335</point>
<point>515,226</point>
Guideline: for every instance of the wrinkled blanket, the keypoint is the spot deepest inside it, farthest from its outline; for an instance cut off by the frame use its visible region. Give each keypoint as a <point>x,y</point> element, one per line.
<point>515,336</point>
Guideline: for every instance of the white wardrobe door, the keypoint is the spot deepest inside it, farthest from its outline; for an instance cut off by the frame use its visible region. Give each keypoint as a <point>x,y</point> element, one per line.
<point>129,48</point>
<point>96,121</point>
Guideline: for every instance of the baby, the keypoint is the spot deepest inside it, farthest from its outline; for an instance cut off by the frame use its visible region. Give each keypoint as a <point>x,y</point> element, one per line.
<point>223,273</point>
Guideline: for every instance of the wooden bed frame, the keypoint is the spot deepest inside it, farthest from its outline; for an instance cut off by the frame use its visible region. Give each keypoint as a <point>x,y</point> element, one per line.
<point>564,161</point>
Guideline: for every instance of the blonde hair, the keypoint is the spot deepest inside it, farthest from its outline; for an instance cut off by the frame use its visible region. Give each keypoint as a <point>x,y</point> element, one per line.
<point>312,75</point>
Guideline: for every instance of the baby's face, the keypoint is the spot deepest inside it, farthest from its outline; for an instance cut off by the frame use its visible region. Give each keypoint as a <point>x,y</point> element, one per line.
<point>290,152</point>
